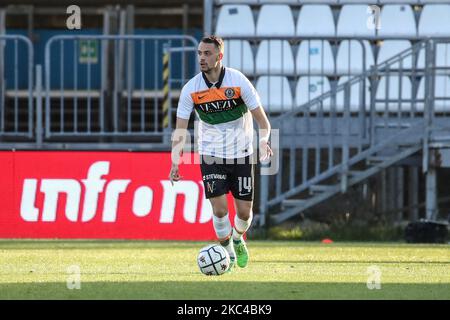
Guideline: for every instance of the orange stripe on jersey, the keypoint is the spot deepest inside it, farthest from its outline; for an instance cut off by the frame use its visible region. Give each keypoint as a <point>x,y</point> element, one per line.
<point>214,94</point>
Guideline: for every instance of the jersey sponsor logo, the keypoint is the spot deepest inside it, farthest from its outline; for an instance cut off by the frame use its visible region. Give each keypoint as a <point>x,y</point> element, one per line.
<point>202,96</point>
<point>214,176</point>
<point>218,106</point>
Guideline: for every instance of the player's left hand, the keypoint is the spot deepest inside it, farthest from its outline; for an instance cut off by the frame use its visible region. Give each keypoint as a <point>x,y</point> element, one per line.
<point>265,152</point>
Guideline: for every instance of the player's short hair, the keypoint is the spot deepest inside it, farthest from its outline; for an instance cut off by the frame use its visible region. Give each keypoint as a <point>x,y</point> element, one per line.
<point>218,41</point>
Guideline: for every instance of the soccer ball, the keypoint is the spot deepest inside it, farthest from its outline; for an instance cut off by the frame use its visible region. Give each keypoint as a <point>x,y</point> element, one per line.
<point>213,260</point>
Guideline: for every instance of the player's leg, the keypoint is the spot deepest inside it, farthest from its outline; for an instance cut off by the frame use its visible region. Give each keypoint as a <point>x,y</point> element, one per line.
<point>242,189</point>
<point>222,225</point>
<point>216,187</point>
<point>242,222</point>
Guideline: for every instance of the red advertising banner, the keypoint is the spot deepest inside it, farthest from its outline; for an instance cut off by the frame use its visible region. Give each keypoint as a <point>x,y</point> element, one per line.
<point>102,195</point>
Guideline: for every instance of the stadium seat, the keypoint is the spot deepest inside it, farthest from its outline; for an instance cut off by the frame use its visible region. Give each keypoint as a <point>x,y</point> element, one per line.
<point>441,90</point>
<point>275,93</point>
<point>442,58</point>
<point>355,98</point>
<point>235,20</point>
<point>399,1</point>
<point>318,1</point>
<point>397,20</point>
<point>309,88</point>
<point>353,21</point>
<point>390,48</point>
<point>307,25</point>
<point>397,103</point>
<point>350,57</point>
<point>434,20</point>
<point>277,1</point>
<point>238,54</point>
<point>237,1</point>
<point>369,2</point>
<point>275,20</point>
<point>357,1</point>
<point>314,57</point>
<point>275,57</point>
<point>433,1</point>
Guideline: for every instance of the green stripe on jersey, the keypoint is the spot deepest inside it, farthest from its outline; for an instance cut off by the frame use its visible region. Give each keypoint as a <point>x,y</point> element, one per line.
<point>222,116</point>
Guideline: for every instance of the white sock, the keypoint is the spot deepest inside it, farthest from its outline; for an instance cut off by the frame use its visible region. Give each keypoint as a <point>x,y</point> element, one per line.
<point>222,226</point>
<point>241,226</point>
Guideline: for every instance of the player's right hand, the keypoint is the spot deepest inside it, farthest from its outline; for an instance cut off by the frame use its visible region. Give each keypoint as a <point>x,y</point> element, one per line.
<point>174,174</point>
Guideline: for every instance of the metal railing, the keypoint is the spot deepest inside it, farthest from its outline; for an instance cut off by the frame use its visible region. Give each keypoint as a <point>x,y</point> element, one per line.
<point>115,90</point>
<point>337,141</point>
<point>16,88</point>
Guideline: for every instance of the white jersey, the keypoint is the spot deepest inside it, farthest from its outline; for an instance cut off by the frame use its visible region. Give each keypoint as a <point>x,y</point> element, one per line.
<point>225,128</point>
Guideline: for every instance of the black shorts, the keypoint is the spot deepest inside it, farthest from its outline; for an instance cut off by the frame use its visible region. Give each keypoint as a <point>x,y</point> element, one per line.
<point>223,175</point>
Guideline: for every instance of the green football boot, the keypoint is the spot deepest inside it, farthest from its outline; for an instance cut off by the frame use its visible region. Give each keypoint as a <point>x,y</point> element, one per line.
<point>241,253</point>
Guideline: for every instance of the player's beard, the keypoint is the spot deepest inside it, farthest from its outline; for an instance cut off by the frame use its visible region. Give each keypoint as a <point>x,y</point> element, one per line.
<point>207,69</point>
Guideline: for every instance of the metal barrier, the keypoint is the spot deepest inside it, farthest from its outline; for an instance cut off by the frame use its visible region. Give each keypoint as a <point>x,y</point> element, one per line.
<point>16,89</point>
<point>115,96</point>
<point>339,140</point>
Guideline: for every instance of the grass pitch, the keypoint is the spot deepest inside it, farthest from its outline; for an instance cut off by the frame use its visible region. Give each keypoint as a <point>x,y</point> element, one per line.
<point>31,269</point>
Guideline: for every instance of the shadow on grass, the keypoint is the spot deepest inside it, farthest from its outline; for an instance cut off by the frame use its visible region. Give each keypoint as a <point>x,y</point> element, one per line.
<point>221,288</point>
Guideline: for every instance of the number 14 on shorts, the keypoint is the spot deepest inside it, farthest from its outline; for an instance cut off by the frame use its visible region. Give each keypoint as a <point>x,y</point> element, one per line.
<point>245,185</point>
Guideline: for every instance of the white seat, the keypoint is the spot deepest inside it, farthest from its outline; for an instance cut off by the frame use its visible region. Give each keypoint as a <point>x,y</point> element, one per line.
<point>441,90</point>
<point>397,103</point>
<point>434,20</point>
<point>277,1</point>
<point>318,1</point>
<point>237,1</point>
<point>309,88</point>
<point>353,21</point>
<point>399,1</point>
<point>275,20</point>
<point>397,20</point>
<point>356,98</point>
<point>275,57</point>
<point>238,54</point>
<point>433,1</point>
<point>390,48</point>
<point>275,93</point>
<point>357,1</point>
<point>442,57</point>
<point>350,57</point>
<point>314,57</point>
<point>307,25</point>
<point>235,20</point>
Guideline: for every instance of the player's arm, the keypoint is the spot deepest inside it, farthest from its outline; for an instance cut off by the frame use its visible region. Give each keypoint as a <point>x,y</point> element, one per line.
<point>264,132</point>
<point>178,141</point>
<point>184,110</point>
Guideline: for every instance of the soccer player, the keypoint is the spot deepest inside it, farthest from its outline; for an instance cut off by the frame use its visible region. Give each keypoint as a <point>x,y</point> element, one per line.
<point>226,103</point>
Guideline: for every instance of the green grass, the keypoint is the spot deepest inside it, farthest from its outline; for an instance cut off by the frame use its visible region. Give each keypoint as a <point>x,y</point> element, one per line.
<point>31,269</point>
